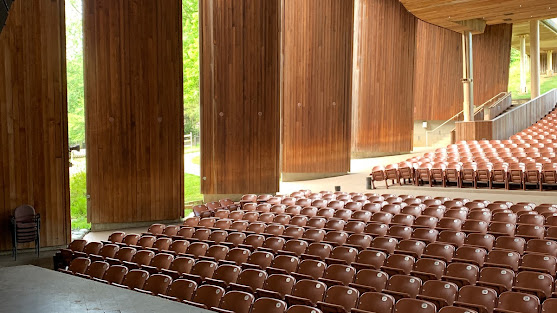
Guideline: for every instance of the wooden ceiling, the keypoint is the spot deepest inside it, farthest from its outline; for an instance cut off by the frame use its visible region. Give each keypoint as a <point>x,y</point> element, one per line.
<point>548,36</point>
<point>448,14</point>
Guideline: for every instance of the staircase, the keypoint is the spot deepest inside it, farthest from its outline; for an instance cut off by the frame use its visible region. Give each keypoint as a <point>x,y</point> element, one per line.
<point>512,107</point>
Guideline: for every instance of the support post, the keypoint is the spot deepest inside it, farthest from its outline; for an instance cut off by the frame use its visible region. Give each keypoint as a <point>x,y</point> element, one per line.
<point>550,63</point>
<point>535,58</point>
<point>523,64</point>
<point>468,76</point>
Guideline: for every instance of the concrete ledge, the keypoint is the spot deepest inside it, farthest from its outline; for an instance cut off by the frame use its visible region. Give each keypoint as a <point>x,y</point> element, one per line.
<point>290,177</point>
<point>116,226</point>
<point>365,155</point>
<point>217,197</point>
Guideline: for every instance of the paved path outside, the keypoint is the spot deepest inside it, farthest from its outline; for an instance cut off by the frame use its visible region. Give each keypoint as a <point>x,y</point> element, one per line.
<point>189,166</point>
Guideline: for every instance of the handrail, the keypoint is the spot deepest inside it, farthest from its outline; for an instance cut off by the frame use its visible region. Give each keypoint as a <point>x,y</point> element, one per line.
<point>476,110</point>
<point>488,112</point>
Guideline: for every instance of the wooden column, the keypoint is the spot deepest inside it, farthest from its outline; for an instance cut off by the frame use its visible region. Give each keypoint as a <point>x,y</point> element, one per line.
<point>240,97</point>
<point>134,111</point>
<point>33,119</point>
<point>523,64</point>
<point>382,118</point>
<point>535,58</point>
<point>318,38</point>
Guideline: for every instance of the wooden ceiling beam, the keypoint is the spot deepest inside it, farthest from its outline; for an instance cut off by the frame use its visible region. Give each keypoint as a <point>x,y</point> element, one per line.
<point>449,14</point>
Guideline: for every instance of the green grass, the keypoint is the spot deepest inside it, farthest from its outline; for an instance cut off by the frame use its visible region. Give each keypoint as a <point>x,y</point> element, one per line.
<point>78,200</point>
<point>192,149</point>
<point>196,160</point>
<point>546,83</point>
<point>192,188</point>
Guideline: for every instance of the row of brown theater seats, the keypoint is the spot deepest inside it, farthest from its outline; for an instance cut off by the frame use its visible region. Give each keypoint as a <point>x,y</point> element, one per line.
<point>527,158</point>
<point>463,269</point>
<point>274,293</point>
<point>364,280</point>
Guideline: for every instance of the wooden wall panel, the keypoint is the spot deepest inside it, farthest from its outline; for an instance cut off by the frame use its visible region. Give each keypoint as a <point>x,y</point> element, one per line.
<point>33,119</point>
<point>317,86</point>
<point>437,83</point>
<point>383,94</point>
<point>437,79</point>
<point>240,100</point>
<point>134,110</point>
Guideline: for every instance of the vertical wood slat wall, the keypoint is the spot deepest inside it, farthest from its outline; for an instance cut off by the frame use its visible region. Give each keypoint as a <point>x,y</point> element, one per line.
<point>383,104</point>
<point>318,38</point>
<point>240,100</point>
<point>134,110</point>
<point>33,119</point>
<point>437,83</point>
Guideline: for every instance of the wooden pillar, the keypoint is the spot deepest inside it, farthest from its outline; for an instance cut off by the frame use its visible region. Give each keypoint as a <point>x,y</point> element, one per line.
<point>134,111</point>
<point>33,120</point>
<point>317,90</point>
<point>383,89</point>
<point>240,97</point>
<point>535,58</point>
<point>468,76</point>
<point>523,64</point>
<point>550,63</point>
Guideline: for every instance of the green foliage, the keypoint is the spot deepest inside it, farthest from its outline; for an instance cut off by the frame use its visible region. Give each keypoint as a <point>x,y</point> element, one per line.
<point>190,25</point>
<point>78,201</point>
<point>74,64</point>
<point>515,57</point>
<point>546,83</point>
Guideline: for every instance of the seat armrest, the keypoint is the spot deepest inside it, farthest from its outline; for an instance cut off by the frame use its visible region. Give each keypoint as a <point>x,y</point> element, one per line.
<point>120,285</point>
<point>330,307</point>
<point>143,291</point>
<point>169,298</point>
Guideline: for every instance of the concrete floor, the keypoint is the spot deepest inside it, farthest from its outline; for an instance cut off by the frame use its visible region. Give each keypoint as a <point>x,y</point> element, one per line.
<point>33,289</point>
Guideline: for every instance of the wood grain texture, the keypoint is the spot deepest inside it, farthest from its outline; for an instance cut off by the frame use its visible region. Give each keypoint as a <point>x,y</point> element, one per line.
<point>448,14</point>
<point>477,130</point>
<point>33,119</point>
<point>134,110</point>
<point>510,123</point>
<point>384,87</point>
<point>240,99</point>
<point>524,116</point>
<point>437,84</point>
<point>318,38</point>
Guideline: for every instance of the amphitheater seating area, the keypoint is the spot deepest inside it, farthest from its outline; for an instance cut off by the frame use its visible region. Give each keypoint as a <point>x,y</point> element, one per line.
<point>338,252</point>
<point>527,159</point>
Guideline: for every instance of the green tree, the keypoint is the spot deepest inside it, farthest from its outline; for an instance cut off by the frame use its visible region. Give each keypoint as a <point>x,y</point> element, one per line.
<point>190,24</point>
<point>74,64</point>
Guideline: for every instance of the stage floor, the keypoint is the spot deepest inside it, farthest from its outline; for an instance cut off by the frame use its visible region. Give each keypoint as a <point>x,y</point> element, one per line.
<point>33,289</point>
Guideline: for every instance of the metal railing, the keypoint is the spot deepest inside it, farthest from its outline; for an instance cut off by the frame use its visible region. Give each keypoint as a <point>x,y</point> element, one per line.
<point>477,111</point>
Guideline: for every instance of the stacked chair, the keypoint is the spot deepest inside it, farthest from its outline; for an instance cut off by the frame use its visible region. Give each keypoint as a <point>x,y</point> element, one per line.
<point>527,159</point>
<point>26,227</point>
<point>338,252</point>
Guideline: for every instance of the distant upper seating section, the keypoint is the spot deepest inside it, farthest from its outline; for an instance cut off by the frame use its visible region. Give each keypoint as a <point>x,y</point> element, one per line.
<point>528,159</point>
<point>338,252</point>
